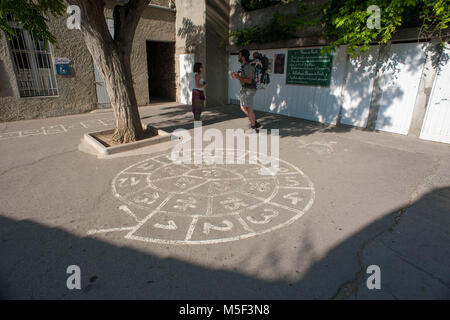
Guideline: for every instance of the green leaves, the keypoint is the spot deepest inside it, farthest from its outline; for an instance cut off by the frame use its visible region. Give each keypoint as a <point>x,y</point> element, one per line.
<point>344,22</point>
<point>31,15</point>
<point>249,5</point>
<point>279,27</point>
<point>436,18</point>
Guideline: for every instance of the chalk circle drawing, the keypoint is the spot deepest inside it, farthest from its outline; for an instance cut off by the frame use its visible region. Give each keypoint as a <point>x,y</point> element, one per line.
<point>320,148</point>
<point>209,203</point>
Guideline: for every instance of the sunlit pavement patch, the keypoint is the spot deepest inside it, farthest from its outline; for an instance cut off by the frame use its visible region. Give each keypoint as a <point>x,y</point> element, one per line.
<point>57,129</point>
<point>205,204</point>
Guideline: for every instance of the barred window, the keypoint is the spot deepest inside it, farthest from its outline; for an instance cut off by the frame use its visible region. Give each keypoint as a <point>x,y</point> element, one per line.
<point>33,65</point>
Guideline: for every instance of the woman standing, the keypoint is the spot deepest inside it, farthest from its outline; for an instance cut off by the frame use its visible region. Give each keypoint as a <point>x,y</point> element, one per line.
<point>198,95</point>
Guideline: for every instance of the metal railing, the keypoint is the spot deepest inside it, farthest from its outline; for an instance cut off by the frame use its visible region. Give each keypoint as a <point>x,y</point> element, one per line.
<point>33,65</point>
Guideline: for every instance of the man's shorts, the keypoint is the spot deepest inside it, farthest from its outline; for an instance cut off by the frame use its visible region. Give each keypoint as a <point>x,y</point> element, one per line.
<point>246,97</point>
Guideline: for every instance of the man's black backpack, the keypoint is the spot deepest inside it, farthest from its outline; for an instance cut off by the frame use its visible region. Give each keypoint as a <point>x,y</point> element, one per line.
<point>264,77</point>
<point>264,63</point>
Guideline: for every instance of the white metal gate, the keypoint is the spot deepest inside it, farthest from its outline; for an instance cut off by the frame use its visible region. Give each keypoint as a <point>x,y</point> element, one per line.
<point>436,125</point>
<point>401,76</point>
<point>233,84</point>
<point>34,65</point>
<point>186,77</point>
<point>357,93</point>
<point>102,94</point>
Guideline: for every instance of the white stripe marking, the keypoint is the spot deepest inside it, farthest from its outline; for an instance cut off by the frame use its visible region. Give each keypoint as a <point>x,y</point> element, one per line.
<point>91,232</point>
<point>127,210</point>
<point>170,226</point>
<point>191,229</point>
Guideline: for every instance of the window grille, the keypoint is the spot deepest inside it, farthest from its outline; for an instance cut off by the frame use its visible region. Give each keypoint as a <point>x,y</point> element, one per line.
<point>33,65</point>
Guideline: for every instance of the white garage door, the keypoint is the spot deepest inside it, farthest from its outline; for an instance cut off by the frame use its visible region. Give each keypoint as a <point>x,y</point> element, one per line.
<point>102,94</point>
<point>233,84</point>
<point>358,89</point>
<point>401,72</point>
<point>436,126</point>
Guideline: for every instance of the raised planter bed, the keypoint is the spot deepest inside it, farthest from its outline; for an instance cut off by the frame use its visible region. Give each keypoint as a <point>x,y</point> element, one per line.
<point>94,140</point>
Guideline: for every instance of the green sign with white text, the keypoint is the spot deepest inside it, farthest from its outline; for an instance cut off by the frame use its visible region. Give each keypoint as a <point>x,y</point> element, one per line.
<point>309,67</point>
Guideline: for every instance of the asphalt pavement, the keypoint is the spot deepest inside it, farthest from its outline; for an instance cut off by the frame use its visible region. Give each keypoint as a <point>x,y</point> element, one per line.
<point>141,227</point>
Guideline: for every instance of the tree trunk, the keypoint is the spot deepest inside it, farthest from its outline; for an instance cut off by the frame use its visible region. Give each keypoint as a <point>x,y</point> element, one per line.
<point>112,59</point>
<point>119,85</point>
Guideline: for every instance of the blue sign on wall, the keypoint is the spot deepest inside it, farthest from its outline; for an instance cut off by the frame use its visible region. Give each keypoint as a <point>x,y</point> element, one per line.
<point>62,69</point>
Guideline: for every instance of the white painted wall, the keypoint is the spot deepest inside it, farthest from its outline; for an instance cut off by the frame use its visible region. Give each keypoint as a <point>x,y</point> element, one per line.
<point>401,75</point>
<point>436,125</point>
<point>312,103</point>
<point>186,77</point>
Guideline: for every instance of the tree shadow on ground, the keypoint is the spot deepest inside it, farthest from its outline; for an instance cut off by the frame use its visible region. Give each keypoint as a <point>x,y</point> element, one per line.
<point>180,116</point>
<point>408,245</point>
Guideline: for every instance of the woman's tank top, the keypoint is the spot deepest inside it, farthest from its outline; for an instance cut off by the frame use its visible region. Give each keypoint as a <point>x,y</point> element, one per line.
<point>201,82</point>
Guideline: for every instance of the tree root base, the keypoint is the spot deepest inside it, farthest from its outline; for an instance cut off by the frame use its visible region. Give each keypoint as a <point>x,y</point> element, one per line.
<point>125,136</point>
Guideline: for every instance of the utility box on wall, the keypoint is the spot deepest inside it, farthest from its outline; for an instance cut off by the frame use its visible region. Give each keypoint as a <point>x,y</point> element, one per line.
<point>62,69</point>
<point>62,66</point>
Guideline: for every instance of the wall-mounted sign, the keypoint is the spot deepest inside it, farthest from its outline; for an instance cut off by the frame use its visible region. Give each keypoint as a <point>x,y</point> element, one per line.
<point>62,60</point>
<point>309,67</point>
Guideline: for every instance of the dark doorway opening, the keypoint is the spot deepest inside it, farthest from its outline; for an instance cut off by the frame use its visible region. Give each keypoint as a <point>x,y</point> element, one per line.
<point>161,71</point>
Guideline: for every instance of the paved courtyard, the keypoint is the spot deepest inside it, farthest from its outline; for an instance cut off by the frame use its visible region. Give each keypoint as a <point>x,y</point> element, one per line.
<point>141,227</point>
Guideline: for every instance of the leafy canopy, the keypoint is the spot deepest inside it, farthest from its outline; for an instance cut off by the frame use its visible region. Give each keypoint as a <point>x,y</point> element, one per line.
<point>249,5</point>
<point>32,15</point>
<point>344,22</point>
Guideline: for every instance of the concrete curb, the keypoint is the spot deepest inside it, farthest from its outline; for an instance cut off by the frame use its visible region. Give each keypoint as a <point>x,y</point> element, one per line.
<point>106,110</point>
<point>162,136</point>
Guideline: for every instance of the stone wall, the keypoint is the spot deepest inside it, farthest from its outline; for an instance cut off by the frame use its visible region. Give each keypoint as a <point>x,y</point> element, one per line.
<point>217,21</point>
<point>76,91</point>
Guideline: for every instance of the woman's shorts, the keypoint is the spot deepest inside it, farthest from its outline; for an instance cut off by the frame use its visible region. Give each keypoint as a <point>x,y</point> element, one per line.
<point>198,101</point>
<point>246,97</point>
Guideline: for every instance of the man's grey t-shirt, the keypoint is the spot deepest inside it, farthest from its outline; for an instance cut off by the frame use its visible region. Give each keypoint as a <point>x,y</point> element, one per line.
<point>248,91</point>
<point>247,70</point>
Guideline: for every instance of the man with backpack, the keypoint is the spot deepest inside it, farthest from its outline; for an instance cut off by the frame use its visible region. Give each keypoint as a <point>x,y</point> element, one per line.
<point>248,88</point>
<point>261,64</point>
